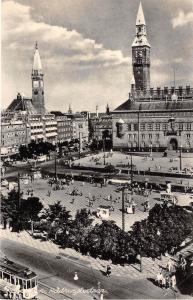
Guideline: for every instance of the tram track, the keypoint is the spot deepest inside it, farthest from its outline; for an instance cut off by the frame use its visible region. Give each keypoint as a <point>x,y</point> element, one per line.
<point>46,290</point>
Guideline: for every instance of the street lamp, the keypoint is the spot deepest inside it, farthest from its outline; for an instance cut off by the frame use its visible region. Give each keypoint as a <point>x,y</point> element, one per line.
<point>150,150</point>
<point>131,161</point>
<point>104,162</point>
<point>124,195</point>
<point>55,164</point>
<point>180,157</point>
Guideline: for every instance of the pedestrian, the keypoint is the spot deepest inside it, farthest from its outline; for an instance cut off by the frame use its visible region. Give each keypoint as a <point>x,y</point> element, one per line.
<point>168,282</point>
<point>163,281</point>
<point>108,273</point>
<point>159,278</point>
<point>173,281</point>
<point>170,265</point>
<point>183,264</point>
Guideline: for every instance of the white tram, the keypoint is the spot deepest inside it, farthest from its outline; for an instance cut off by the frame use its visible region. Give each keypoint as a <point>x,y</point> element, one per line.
<point>17,281</point>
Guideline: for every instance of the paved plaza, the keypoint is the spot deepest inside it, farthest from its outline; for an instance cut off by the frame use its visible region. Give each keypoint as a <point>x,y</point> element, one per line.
<point>42,189</point>
<point>156,162</point>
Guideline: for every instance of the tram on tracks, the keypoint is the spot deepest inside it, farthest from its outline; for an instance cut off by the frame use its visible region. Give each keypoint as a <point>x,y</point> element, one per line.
<point>17,281</point>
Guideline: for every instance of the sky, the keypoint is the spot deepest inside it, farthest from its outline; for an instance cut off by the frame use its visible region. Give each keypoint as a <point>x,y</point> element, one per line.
<point>85,48</point>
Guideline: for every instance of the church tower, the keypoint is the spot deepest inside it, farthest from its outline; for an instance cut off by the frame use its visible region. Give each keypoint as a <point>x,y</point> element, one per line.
<point>141,54</point>
<point>37,83</point>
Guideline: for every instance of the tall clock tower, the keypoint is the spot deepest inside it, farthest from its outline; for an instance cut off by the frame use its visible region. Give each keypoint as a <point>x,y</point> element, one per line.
<point>141,54</point>
<point>37,83</point>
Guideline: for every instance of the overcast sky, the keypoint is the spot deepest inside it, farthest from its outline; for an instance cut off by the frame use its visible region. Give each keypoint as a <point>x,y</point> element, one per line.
<point>85,48</point>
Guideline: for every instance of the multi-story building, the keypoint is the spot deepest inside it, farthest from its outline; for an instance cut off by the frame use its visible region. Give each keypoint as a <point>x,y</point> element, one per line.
<point>79,127</point>
<point>101,126</point>
<point>13,133</point>
<point>160,118</point>
<point>25,119</point>
<point>64,128</point>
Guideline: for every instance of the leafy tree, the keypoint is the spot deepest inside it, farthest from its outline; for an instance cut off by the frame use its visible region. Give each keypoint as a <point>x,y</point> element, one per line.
<point>10,209</point>
<point>167,226</point>
<point>59,220</point>
<point>103,240</point>
<point>30,209</point>
<point>82,218</point>
<point>110,168</point>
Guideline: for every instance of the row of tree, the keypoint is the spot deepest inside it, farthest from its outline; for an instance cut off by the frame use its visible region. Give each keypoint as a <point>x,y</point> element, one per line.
<point>166,228</point>
<point>35,149</point>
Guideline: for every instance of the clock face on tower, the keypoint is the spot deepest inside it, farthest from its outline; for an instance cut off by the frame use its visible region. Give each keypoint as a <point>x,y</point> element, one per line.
<point>35,84</point>
<point>139,54</point>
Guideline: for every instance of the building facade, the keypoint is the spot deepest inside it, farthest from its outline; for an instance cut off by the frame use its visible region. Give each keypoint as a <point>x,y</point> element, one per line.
<point>101,126</point>
<point>64,128</point>
<point>160,118</point>
<point>13,134</point>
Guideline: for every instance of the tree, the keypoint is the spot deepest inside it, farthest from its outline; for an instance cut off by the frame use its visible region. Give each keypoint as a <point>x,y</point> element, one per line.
<point>103,240</point>
<point>10,209</point>
<point>82,218</point>
<point>166,227</point>
<point>59,220</point>
<point>30,209</point>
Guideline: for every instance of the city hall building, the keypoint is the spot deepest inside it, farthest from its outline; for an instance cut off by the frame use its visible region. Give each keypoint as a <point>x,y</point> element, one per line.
<point>156,119</point>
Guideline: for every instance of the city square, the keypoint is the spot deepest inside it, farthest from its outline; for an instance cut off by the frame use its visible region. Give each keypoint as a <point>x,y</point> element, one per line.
<point>96,150</point>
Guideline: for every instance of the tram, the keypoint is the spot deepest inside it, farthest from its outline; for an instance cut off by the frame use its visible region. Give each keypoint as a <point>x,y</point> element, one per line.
<point>17,281</point>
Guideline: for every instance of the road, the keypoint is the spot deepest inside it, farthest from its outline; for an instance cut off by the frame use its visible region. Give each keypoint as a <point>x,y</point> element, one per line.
<point>59,273</point>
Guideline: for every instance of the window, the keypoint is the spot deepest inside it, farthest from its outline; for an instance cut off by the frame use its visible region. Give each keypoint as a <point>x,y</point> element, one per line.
<point>150,127</point>
<point>188,136</point>
<point>142,126</point>
<point>188,126</point>
<point>180,126</point>
<point>143,136</point>
<point>129,127</point>
<point>135,127</point>
<point>157,126</point>
<point>164,126</point>
<point>150,136</point>
<point>135,136</point>
<point>157,136</point>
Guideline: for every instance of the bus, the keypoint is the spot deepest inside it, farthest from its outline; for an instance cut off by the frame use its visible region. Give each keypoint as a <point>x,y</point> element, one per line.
<point>17,281</point>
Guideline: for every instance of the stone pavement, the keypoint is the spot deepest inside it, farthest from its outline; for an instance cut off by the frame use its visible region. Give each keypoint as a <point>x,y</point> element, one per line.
<point>149,267</point>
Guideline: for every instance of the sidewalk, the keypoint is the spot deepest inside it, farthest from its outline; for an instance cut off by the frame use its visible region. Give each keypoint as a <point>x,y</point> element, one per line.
<point>149,267</point>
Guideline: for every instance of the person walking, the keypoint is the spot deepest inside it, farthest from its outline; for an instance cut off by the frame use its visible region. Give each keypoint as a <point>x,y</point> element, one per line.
<point>169,265</point>
<point>173,281</point>
<point>159,278</point>
<point>108,272</point>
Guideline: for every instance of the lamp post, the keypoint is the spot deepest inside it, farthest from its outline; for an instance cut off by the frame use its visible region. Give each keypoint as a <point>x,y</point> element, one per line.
<point>131,161</point>
<point>150,150</point>
<point>55,164</point>
<point>104,151</point>
<point>180,157</point>
<point>19,200</point>
<point>124,194</point>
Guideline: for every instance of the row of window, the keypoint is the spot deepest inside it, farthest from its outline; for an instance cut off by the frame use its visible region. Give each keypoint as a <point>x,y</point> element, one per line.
<point>149,135</point>
<point>13,134</point>
<point>158,126</point>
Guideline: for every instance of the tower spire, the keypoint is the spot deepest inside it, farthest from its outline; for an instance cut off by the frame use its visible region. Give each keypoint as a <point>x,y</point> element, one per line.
<point>37,65</point>
<point>140,16</point>
<point>37,83</point>
<point>141,54</point>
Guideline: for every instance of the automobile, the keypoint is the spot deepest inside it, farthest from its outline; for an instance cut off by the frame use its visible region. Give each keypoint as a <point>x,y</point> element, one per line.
<point>38,234</point>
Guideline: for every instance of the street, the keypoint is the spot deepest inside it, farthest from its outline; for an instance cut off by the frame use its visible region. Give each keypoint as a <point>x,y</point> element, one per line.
<point>59,273</point>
